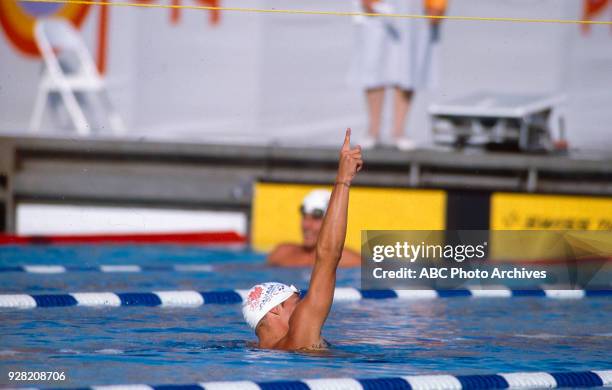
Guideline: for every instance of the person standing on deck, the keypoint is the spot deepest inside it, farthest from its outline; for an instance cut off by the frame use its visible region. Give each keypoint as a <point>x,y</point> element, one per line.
<point>397,54</point>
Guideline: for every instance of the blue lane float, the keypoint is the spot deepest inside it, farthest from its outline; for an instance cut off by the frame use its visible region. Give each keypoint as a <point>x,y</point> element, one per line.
<point>518,380</point>
<point>198,298</point>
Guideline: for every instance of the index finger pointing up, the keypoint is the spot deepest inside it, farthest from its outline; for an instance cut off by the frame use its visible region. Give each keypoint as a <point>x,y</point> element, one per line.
<point>347,140</point>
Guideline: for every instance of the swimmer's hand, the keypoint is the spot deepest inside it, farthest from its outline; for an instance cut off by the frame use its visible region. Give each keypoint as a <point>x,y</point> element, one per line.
<point>350,161</point>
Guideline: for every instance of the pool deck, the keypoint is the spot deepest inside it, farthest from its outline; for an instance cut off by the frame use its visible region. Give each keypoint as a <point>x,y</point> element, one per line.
<point>200,176</point>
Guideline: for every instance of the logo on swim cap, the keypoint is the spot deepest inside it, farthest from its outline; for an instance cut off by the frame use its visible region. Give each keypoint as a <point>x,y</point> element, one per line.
<point>261,298</point>
<point>254,296</point>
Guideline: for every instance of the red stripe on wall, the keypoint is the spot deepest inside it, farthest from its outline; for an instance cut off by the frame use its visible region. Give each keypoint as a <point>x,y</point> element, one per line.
<point>201,238</point>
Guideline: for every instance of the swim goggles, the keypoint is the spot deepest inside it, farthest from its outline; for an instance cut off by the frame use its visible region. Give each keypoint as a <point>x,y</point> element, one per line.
<point>316,213</point>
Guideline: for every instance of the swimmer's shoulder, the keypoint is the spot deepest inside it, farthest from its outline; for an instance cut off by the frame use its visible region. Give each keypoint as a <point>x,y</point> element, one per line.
<point>284,254</point>
<point>287,246</point>
<point>322,345</point>
<point>350,259</point>
<point>291,345</point>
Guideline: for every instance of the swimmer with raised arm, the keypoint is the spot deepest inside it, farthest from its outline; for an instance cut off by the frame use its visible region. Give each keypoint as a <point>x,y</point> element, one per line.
<point>281,319</point>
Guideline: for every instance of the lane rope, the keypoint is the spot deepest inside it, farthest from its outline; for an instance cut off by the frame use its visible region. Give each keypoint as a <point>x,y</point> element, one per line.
<point>324,13</point>
<point>517,380</point>
<point>192,298</point>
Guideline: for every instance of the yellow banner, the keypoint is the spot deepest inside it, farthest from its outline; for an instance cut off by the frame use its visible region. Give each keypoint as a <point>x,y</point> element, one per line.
<point>550,212</point>
<point>546,212</point>
<point>276,217</point>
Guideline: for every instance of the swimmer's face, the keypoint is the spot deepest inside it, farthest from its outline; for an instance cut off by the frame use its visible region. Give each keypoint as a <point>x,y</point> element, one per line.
<point>290,304</point>
<point>288,307</point>
<point>277,319</point>
<point>311,225</point>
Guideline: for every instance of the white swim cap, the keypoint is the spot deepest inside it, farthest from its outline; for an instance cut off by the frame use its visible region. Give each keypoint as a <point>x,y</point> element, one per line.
<point>261,298</point>
<point>316,200</point>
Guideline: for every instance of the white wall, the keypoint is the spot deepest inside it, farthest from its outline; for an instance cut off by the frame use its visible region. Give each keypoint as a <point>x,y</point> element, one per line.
<point>282,78</point>
<point>44,219</point>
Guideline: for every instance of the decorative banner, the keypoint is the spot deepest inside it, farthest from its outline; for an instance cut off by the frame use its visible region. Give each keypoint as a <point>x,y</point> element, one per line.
<point>438,5</point>
<point>550,212</point>
<point>175,13</point>
<point>18,19</point>
<point>591,10</point>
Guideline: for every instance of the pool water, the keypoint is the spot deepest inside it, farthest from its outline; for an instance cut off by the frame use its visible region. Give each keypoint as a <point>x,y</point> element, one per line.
<point>370,338</point>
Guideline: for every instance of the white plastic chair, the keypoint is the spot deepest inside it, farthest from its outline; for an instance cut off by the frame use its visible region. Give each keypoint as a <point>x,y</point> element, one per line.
<point>55,38</point>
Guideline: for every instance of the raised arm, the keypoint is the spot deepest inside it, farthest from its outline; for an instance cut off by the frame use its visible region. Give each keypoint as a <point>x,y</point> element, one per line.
<point>310,314</point>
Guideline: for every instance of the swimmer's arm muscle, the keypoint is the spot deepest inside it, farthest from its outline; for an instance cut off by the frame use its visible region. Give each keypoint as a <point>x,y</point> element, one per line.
<point>311,313</point>
<point>329,252</point>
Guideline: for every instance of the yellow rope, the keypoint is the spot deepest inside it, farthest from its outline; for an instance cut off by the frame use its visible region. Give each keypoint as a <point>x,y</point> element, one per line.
<point>310,12</point>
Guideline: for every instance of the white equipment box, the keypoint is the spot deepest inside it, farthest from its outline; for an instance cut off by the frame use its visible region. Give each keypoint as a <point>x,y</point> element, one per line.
<point>493,118</point>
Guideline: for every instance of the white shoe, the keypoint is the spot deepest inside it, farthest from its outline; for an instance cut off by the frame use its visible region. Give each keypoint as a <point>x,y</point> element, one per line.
<point>368,143</point>
<point>405,144</point>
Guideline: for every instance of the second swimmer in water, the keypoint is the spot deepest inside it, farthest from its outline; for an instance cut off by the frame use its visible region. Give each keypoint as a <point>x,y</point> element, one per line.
<point>313,210</point>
